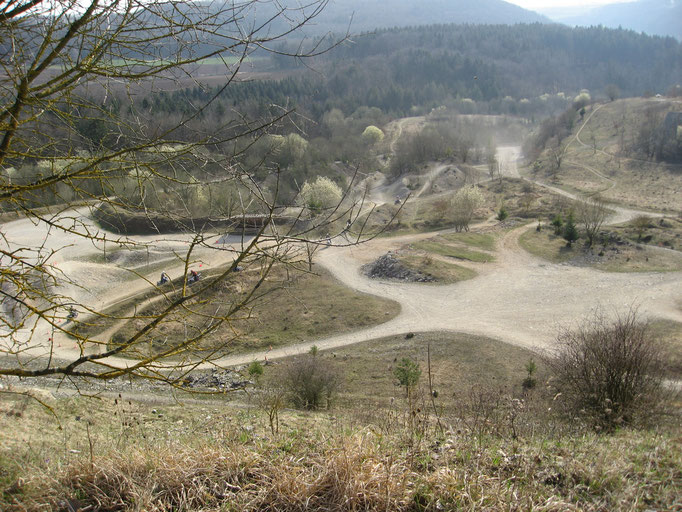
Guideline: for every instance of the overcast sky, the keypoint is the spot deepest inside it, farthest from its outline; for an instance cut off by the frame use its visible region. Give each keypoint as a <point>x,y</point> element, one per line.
<point>551,4</point>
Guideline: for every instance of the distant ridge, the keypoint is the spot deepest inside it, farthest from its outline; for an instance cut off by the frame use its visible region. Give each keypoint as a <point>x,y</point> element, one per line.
<point>653,17</point>
<point>367,15</point>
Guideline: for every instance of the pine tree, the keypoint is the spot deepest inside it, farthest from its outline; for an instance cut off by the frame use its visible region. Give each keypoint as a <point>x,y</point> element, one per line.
<point>558,223</point>
<point>570,231</point>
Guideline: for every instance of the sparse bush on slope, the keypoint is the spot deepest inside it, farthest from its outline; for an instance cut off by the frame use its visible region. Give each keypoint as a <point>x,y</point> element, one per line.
<point>611,372</point>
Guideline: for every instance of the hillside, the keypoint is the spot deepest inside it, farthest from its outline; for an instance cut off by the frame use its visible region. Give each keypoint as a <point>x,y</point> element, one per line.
<point>521,61</point>
<point>610,152</point>
<point>340,288</point>
<point>528,70</point>
<point>487,446</point>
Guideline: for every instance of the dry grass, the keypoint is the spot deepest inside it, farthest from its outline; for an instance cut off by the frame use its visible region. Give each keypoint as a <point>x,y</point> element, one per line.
<point>418,215</point>
<point>639,259</point>
<point>669,334</point>
<point>346,476</point>
<point>523,199</point>
<point>607,257</point>
<point>623,179</point>
<point>495,449</point>
<point>292,309</point>
<point>364,469</point>
<point>459,362</point>
<point>664,232</point>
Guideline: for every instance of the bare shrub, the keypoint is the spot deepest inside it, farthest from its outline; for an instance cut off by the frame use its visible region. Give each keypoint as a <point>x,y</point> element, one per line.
<point>592,215</point>
<point>610,372</point>
<point>311,381</point>
<point>641,223</point>
<point>271,400</point>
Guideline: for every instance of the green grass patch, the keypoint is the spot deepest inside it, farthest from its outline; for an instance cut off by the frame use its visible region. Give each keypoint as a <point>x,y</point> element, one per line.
<point>444,273</point>
<point>452,251</point>
<point>546,245</point>
<point>211,61</point>
<point>483,241</point>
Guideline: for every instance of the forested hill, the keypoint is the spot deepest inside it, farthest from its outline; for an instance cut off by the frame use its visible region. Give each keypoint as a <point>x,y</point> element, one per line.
<point>519,60</point>
<point>495,65</point>
<point>528,70</point>
<point>368,15</point>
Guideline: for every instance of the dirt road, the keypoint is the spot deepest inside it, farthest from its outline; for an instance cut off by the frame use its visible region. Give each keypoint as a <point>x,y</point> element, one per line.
<point>518,299</point>
<point>507,160</point>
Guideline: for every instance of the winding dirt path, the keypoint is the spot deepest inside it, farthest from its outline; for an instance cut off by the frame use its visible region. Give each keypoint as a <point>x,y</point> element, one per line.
<point>518,299</point>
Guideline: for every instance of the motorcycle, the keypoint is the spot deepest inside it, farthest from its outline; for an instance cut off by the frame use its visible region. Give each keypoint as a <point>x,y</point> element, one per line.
<point>72,315</point>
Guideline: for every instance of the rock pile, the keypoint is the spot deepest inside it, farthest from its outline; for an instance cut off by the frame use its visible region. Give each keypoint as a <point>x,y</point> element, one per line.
<point>610,238</point>
<point>389,267</point>
<point>222,380</point>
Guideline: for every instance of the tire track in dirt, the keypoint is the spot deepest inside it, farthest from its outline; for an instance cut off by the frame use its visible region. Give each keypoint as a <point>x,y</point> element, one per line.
<point>518,298</point>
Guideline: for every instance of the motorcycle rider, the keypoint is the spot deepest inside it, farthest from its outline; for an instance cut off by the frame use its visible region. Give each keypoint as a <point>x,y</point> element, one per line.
<point>193,276</point>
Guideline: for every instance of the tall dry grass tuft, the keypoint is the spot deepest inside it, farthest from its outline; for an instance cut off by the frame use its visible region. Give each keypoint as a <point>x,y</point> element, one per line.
<point>175,478</point>
<point>493,461</point>
<point>351,475</point>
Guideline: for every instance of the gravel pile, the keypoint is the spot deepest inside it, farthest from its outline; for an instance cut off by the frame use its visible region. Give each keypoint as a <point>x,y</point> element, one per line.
<point>610,238</point>
<point>216,379</point>
<point>389,267</point>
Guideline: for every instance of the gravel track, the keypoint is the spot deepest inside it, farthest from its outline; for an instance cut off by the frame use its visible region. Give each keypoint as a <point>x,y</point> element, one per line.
<point>518,299</point>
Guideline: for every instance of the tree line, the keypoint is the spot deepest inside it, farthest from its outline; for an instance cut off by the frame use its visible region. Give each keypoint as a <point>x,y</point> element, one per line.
<point>517,70</point>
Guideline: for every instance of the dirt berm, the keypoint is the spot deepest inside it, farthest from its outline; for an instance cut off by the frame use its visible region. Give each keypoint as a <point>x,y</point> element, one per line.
<point>131,222</point>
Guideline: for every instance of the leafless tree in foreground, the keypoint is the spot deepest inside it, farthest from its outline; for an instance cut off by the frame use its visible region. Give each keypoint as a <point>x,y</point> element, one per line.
<point>610,371</point>
<point>76,141</point>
